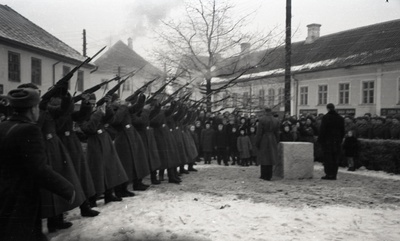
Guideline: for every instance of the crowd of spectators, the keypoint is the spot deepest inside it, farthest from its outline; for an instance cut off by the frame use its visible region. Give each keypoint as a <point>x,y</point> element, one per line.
<point>302,128</point>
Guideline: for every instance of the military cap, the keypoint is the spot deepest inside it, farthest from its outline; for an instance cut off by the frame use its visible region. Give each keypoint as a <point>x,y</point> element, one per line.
<point>23,98</point>
<point>92,96</point>
<point>114,97</point>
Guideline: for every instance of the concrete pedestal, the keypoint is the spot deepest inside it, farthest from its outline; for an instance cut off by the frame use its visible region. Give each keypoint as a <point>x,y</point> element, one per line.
<point>296,160</point>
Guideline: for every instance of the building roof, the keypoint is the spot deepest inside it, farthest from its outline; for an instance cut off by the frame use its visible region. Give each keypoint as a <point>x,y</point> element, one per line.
<point>378,43</point>
<point>18,31</point>
<point>125,57</point>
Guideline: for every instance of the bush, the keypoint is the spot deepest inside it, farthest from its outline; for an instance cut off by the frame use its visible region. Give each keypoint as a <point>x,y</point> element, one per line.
<point>379,155</point>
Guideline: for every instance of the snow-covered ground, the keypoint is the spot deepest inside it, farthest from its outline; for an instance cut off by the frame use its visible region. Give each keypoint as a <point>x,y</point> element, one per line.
<point>232,203</point>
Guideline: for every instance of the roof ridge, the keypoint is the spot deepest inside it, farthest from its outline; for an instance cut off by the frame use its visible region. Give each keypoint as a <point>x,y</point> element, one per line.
<point>357,28</point>
<point>66,47</point>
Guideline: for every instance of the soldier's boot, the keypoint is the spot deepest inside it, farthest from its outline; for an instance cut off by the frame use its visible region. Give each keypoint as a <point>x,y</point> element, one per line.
<point>176,174</point>
<point>191,169</point>
<point>57,222</point>
<point>161,175</point>
<point>110,197</point>
<point>171,176</point>
<point>93,201</point>
<point>153,177</point>
<point>87,211</point>
<point>139,186</point>
<point>122,191</point>
<point>182,170</point>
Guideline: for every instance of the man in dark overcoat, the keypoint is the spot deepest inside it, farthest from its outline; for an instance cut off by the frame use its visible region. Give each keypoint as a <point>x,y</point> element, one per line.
<point>267,138</point>
<point>331,134</point>
<point>221,144</point>
<point>207,142</point>
<point>23,170</point>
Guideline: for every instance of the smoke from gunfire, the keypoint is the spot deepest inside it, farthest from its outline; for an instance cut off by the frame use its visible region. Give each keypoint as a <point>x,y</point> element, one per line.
<point>146,15</point>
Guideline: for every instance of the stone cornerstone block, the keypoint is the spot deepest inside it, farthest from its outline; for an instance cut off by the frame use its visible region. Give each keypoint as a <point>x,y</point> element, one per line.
<point>295,161</point>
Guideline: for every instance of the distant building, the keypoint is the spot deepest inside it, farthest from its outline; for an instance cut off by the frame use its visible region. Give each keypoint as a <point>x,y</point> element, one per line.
<point>358,70</point>
<point>29,54</point>
<point>121,60</point>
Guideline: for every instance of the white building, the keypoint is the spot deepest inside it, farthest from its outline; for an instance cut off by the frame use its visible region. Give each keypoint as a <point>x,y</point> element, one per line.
<point>120,59</point>
<point>29,54</point>
<point>358,70</point>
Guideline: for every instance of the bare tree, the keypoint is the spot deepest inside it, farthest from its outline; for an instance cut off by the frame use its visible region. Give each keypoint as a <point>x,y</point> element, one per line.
<point>210,40</point>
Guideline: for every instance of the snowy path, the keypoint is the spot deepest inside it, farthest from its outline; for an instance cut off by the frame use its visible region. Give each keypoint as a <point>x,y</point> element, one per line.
<point>231,203</point>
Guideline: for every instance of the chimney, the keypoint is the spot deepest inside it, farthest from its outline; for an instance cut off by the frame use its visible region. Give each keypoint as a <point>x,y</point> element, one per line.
<point>130,43</point>
<point>245,48</point>
<point>313,32</point>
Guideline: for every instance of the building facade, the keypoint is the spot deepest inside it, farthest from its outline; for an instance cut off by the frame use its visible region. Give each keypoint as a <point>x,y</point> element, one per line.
<point>29,54</point>
<point>358,70</point>
<point>120,59</point>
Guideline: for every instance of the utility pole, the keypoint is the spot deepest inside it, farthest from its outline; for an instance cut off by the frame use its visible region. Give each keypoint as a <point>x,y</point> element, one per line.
<point>288,50</point>
<point>84,43</point>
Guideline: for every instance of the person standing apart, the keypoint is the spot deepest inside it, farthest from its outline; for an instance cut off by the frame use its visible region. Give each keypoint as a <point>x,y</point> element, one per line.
<point>330,137</point>
<point>267,139</point>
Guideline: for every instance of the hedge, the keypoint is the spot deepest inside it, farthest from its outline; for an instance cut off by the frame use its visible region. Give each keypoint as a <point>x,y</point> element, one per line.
<point>379,155</point>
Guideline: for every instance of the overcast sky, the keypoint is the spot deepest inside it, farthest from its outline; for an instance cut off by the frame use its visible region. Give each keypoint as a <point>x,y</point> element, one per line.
<point>107,21</point>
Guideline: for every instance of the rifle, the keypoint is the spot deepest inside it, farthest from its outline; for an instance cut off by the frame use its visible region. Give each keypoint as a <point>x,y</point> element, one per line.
<point>63,82</point>
<point>112,90</point>
<point>201,101</point>
<point>137,92</point>
<point>159,91</point>
<point>93,89</point>
<point>173,94</point>
<point>184,97</point>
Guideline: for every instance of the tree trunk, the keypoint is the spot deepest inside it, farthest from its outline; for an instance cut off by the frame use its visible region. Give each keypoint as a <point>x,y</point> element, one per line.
<point>208,94</point>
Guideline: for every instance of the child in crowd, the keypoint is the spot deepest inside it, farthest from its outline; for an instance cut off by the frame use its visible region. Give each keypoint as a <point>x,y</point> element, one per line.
<point>350,149</point>
<point>244,147</point>
<point>286,134</point>
<point>233,151</point>
<point>252,136</point>
<point>207,142</point>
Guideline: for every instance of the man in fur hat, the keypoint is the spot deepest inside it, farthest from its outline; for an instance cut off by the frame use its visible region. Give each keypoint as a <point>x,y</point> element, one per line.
<point>23,170</point>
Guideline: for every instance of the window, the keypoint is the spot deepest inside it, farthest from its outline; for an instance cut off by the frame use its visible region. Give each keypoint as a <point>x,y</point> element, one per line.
<point>234,99</point>
<point>66,70</point>
<point>245,99</point>
<point>398,91</point>
<point>304,95</point>
<point>322,94</point>
<point>344,93</point>
<point>225,100</point>
<point>368,92</point>
<point>271,97</point>
<point>261,98</point>
<point>281,97</point>
<point>36,71</point>
<point>127,85</point>
<point>14,67</point>
<point>104,86</point>
<point>1,89</point>
<point>79,80</point>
